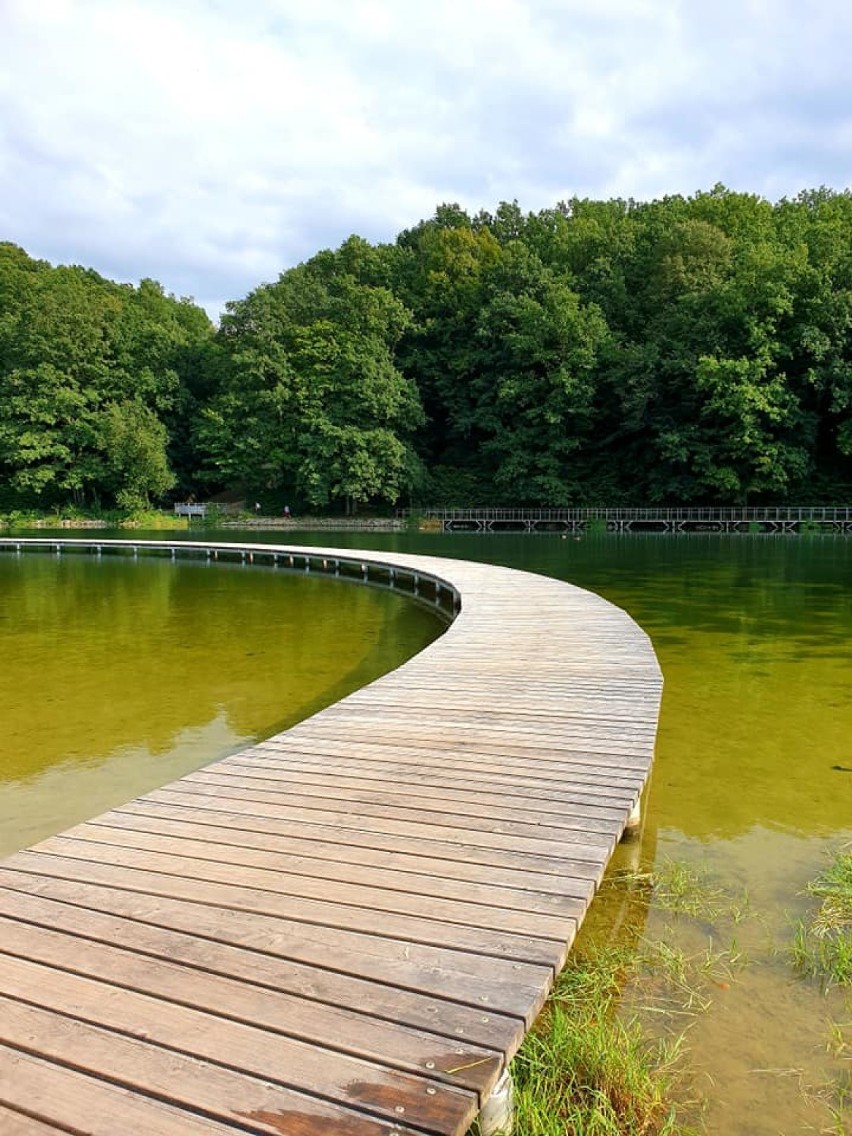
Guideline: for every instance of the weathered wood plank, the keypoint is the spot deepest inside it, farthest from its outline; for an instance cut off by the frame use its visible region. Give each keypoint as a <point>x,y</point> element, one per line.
<point>388,1003</point>
<point>550,951</point>
<point>407,801</point>
<point>591,839</point>
<point>341,828</point>
<point>258,1053</point>
<point>76,1102</point>
<point>167,860</point>
<point>403,791</point>
<point>572,844</point>
<point>184,1082</point>
<point>17,1124</point>
<point>334,853</point>
<point>193,842</point>
<point>327,1027</point>
<point>394,771</point>
<point>549,770</point>
<point>505,986</point>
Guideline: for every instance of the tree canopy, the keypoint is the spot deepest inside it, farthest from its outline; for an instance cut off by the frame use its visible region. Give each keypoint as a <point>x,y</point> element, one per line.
<point>685,350</point>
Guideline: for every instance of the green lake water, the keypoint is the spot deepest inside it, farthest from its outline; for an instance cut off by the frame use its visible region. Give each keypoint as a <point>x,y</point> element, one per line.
<point>117,676</point>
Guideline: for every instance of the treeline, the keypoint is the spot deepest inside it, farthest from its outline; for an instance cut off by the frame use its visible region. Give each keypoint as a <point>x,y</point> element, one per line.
<point>686,350</point>
<point>99,386</point>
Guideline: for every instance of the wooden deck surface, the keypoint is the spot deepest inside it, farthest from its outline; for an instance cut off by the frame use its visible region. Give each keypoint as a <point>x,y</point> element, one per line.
<point>349,927</point>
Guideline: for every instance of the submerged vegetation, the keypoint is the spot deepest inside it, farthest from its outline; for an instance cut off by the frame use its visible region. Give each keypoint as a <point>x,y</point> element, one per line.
<point>684,350</point>
<point>822,947</point>
<point>609,1055</point>
<point>583,1070</point>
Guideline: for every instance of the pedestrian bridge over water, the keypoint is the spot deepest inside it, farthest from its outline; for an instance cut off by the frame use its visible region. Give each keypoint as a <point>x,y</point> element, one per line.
<point>347,928</point>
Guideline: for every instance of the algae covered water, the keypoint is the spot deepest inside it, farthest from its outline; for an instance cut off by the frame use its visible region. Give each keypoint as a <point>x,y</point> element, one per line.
<point>117,676</point>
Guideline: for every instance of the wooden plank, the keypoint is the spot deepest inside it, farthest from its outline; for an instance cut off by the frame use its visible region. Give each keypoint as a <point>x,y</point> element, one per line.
<point>493,720</point>
<point>166,860</point>
<point>87,1104</point>
<point>459,836</point>
<point>354,1032</point>
<point>192,841</point>
<point>497,833</point>
<point>226,1096</point>
<point>406,787</point>
<point>524,743</point>
<point>549,771</point>
<point>584,861</point>
<point>510,744</point>
<point>406,800</point>
<point>418,1009</point>
<point>506,985</point>
<point>18,1124</point>
<point>430,778</point>
<point>185,1032</point>
<point>332,847</point>
<point>336,831</point>
<point>548,952</point>
<point>574,699</point>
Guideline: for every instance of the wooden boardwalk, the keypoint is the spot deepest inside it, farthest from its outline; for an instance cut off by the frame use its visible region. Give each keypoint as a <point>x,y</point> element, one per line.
<point>349,927</point>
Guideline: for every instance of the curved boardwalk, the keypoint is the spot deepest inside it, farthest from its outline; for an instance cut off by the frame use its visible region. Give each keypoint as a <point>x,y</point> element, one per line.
<point>349,927</point>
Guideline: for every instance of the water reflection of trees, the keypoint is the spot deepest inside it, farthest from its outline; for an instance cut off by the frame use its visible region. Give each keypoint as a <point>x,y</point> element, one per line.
<point>754,636</point>
<point>109,654</point>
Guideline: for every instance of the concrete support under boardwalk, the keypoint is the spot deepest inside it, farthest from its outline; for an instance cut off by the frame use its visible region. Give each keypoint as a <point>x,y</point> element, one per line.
<point>498,1112</point>
<point>634,821</point>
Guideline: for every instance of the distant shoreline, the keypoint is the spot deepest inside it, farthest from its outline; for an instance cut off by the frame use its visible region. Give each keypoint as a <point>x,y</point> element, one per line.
<point>297,524</point>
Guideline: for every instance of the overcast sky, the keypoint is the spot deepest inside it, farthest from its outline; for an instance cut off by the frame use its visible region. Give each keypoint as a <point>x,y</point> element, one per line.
<point>211,144</point>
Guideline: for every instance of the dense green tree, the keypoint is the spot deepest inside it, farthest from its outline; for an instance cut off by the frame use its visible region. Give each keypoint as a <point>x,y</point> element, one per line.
<point>688,349</point>
<point>535,358</point>
<point>134,443</point>
<point>313,402</point>
<point>73,348</point>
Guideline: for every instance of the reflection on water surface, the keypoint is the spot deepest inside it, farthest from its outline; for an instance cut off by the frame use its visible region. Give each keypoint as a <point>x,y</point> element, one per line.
<point>117,676</point>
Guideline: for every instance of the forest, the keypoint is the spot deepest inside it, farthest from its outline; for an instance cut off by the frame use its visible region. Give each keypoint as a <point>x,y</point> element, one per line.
<point>688,350</point>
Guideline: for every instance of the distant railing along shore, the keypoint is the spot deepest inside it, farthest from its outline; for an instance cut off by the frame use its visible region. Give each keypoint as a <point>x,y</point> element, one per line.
<point>691,518</point>
<point>767,518</point>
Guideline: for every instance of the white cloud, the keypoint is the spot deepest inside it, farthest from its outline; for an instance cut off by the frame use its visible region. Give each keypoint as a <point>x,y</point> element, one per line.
<point>211,144</point>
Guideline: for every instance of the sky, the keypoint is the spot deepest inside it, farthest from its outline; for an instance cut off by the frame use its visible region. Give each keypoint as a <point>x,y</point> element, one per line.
<point>212,144</point>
